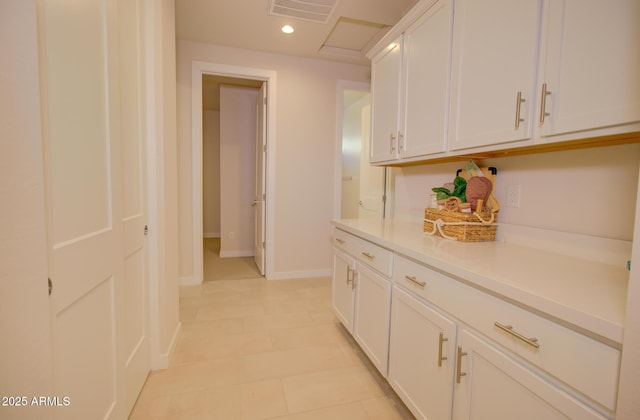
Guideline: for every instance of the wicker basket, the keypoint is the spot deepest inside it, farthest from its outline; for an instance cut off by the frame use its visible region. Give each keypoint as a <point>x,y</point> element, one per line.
<point>465,227</point>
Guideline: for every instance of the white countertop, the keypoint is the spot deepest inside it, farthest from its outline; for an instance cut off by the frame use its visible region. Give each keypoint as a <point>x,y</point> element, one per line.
<point>584,294</point>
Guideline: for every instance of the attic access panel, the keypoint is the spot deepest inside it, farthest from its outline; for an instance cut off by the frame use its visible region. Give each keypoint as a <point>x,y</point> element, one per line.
<point>353,37</point>
<point>318,11</point>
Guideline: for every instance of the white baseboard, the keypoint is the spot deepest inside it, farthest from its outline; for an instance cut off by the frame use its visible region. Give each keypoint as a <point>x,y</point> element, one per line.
<point>209,235</point>
<point>161,361</point>
<point>235,254</point>
<point>287,275</point>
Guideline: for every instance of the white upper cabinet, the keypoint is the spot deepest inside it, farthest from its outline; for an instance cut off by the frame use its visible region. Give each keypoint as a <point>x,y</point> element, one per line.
<point>495,47</point>
<point>426,66</point>
<point>385,86</point>
<point>410,84</point>
<point>590,67</point>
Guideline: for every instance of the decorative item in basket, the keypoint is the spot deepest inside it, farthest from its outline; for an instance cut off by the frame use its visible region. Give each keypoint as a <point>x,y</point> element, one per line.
<point>466,209</point>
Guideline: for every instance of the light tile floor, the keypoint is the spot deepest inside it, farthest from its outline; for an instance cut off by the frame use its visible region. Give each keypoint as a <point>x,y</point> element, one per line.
<point>258,349</point>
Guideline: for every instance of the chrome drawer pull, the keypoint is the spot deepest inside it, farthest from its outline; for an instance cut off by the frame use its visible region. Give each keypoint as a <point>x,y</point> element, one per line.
<point>441,340</point>
<point>415,281</point>
<point>366,254</point>
<point>340,241</point>
<point>533,342</point>
<point>459,364</point>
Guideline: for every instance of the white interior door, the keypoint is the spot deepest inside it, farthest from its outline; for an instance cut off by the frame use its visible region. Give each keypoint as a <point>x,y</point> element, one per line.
<point>261,155</point>
<point>82,157</point>
<point>370,203</point>
<point>136,344</point>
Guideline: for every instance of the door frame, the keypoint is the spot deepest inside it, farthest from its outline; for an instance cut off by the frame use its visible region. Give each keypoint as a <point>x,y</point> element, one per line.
<point>198,69</point>
<point>389,175</point>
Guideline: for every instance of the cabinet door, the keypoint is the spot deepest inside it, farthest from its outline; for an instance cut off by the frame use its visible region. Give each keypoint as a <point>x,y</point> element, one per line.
<point>592,65</point>
<point>421,357</point>
<point>495,45</point>
<point>343,288</point>
<point>492,385</point>
<point>385,89</point>
<point>373,310</point>
<point>426,58</point>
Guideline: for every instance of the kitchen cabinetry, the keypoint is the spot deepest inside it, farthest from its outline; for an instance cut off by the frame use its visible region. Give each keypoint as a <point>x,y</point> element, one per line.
<point>421,356</point>
<point>492,385</point>
<point>457,351</point>
<point>385,88</point>
<point>371,328</point>
<point>495,47</point>
<point>532,75</point>
<point>550,347</point>
<point>410,80</point>
<point>343,288</point>
<point>361,295</point>
<point>590,67</point>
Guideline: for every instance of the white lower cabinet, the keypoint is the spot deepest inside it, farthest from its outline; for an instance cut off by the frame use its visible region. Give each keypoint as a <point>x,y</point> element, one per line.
<point>371,321</point>
<point>456,352</point>
<point>343,288</point>
<point>492,385</point>
<point>361,294</point>
<point>421,356</point>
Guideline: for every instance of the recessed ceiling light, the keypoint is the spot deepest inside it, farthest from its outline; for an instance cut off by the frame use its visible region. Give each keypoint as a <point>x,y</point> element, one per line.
<point>287,29</point>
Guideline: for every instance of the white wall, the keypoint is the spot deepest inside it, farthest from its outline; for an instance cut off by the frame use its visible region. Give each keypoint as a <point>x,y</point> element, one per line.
<point>304,150</point>
<point>590,191</point>
<point>211,174</point>
<point>237,170</point>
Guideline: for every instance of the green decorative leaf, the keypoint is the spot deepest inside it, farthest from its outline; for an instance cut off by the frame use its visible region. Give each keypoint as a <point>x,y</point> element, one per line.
<point>460,188</point>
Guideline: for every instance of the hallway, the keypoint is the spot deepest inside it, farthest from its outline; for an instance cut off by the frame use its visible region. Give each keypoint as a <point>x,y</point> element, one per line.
<point>257,349</point>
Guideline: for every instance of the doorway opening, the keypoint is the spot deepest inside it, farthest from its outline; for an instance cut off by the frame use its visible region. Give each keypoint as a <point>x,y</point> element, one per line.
<point>237,78</point>
<point>362,186</point>
<point>229,168</point>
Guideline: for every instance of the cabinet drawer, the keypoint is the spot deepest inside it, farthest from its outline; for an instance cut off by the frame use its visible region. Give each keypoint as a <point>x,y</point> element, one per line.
<point>583,363</point>
<point>375,256</point>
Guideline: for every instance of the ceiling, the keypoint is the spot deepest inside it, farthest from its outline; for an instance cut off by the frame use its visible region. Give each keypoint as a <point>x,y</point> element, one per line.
<point>351,28</point>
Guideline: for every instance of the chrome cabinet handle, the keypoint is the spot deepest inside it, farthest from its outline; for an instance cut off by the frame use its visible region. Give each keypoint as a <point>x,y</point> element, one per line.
<point>392,140</point>
<point>441,340</point>
<point>370,256</point>
<point>543,103</point>
<point>519,101</point>
<point>415,281</point>
<point>340,241</point>
<point>533,342</point>
<point>459,364</point>
<point>401,141</point>
<point>349,271</point>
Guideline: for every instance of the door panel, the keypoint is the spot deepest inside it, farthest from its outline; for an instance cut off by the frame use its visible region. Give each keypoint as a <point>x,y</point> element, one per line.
<point>136,358</point>
<point>84,354</point>
<point>343,294</point>
<point>261,142</point>
<point>385,87</point>
<point>82,157</point>
<point>372,317</point>
<point>78,119</point>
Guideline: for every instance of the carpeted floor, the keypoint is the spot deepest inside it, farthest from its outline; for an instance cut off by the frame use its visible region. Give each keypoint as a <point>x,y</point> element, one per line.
<point>216,268</point>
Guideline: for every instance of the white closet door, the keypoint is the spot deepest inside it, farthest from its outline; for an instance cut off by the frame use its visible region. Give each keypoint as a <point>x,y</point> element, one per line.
<point>134,216</point>
<point>81,129</point>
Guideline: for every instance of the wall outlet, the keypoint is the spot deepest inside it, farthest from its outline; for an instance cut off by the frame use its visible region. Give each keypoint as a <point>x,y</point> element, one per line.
<point>513,195</point>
